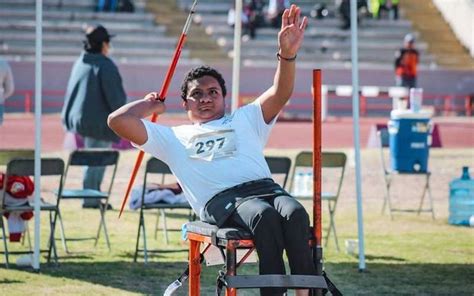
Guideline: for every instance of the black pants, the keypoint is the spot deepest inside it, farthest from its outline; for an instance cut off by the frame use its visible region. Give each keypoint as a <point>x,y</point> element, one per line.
<point>277,223</point>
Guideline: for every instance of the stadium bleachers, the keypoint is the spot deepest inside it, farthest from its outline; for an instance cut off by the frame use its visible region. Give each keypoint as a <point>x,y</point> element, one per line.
<point>139,40</point>
<point>326,45</point>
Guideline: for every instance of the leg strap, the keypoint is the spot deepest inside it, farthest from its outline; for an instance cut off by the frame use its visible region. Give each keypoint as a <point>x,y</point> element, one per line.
<point>331,287</point>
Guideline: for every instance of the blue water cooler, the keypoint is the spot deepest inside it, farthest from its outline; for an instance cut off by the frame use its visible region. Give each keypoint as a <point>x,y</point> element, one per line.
<point>461,199</point>
<point>409,140</point>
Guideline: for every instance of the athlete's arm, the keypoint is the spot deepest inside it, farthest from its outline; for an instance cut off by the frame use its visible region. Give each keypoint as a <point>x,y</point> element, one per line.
<point>126,121</point>
<point>290,38</point>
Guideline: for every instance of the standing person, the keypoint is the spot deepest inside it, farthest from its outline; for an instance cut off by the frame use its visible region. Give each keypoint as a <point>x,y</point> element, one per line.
<point>394,9</point>
<point>218,159</point>
<point>94,91</point>
<point>406,61</point>
<point>107,5</point>
<point>254,11</point>
<point>7,86</point>
<point>231,15</point>
<point>383,8</point>
<point>275,11</point>
<point>345,12</point>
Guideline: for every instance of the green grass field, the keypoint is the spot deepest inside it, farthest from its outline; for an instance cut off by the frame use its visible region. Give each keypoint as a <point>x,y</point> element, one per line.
<point>409,255</point>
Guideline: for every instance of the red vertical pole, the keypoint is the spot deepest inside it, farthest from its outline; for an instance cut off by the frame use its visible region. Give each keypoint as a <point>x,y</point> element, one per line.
<point>194,287</point>
<point>363,105</point>
<point>317,155</point>
<point>467,105</point>
<point>317,225</point>
<point>28,102</point>
<point>447,105</point>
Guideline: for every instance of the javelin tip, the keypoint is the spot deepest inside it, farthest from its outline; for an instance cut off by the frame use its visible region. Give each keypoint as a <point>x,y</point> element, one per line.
<point>193,7</point>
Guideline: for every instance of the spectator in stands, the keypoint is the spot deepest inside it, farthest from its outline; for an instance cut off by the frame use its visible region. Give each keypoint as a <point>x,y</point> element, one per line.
<point>244,19</point>
<point>394,9</point>
<point>126,6</point>
<point>259,17</point>
<point>275,11</point>
<point>388,7</point>
<point>383,8</point>
<point>254,11</point>
<point>319,11</point>
<point>250,18</point>
<point>406,61</point>
<point>7,86</point>
<point>219,157</point>
<point>345,12</point>
<point>107,5</point>
<point>93,91</point>
<point>374,8</point>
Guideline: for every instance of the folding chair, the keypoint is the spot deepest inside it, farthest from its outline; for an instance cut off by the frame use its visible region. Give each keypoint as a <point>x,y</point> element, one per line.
<point>228,240</point>
<point>389,175</point>
<point>25,167</point>
<point>5,156</point>
<point>155,167</point>
<point>92,158</point>
<point>280,168</point>
<point>330,161</point>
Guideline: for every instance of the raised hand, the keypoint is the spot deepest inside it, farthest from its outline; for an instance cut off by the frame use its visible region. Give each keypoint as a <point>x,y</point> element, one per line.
<point>291,33</point>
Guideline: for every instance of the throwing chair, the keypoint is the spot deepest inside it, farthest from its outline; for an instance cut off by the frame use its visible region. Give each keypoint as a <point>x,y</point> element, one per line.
<point>228,240</point>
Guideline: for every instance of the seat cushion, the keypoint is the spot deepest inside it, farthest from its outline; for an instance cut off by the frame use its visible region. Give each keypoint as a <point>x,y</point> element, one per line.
<point>44,206</point>
<point>83,193</point>
<point>207,229</point>
<point>164,205</point>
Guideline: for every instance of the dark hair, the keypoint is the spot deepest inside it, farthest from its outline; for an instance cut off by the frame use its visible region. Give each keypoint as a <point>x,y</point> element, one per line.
<point>199,72</point>
<point>93,47</point>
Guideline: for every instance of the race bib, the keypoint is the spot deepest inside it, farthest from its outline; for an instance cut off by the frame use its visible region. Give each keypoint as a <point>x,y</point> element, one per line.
<point>212,145</point>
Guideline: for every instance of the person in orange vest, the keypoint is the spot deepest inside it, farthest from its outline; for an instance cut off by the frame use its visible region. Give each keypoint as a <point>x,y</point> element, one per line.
<point>406,61</point>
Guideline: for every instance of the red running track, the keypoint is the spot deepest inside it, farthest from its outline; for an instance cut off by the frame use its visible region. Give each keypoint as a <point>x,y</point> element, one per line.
<point>17,131</point>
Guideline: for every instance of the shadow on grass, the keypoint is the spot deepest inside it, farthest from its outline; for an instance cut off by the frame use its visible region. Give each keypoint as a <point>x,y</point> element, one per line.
<point>151,253</point>
<point>403,279</point>
<point>379,279</point>
<point>75,256</point>
<point>8,282</point>
<point>384,258</point>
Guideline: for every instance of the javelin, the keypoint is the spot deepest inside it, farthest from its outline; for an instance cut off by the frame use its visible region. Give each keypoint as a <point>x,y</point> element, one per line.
<point>162,96</point>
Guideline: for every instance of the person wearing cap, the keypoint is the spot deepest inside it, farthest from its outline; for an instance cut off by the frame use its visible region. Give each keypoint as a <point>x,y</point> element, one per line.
<point>406,61</point>
<point>94,91</point>
<point>7,86</point>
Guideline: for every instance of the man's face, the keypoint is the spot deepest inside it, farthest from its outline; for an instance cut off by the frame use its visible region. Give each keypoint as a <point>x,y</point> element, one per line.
<point>204,100</point>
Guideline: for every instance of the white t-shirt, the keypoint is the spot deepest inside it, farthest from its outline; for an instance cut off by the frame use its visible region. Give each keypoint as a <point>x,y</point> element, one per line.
<point>211,157</point>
